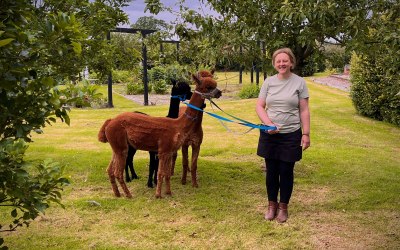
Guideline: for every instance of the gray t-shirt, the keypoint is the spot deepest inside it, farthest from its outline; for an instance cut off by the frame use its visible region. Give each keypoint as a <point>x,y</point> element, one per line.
<point>282,101</point>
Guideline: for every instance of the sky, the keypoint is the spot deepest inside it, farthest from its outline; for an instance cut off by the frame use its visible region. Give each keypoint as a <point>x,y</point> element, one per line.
<point>136,10</point>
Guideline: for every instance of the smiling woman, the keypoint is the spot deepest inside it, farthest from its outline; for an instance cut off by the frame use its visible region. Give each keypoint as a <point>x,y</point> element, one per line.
<point>282,102</point>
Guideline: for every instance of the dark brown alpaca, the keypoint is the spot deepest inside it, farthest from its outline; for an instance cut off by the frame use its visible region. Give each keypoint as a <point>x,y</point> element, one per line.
<point>161,134</point>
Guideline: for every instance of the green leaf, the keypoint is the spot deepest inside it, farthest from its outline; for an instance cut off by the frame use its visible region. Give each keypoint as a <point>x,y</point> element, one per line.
<point>4,42</point>
<point>77,47</point>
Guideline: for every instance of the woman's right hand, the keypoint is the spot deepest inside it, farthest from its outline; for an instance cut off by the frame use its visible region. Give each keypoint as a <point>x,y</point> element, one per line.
<point>272,131</point>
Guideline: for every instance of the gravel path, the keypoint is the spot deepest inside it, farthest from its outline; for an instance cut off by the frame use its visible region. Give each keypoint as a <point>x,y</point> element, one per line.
<point>336,81</point>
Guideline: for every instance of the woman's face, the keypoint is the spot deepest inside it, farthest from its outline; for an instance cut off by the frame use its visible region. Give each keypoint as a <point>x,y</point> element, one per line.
<point>282,63</point>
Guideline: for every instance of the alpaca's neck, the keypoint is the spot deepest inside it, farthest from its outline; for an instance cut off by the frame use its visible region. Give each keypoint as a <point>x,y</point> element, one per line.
<point>173,111</point>
<point>196,101</point>
<point>192,116</point>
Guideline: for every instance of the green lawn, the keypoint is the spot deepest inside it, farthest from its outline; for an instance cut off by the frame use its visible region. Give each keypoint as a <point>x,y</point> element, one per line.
<point>346,192</point>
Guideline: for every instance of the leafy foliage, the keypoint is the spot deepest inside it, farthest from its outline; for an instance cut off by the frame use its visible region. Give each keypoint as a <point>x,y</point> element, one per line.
<point>44,44</point>
<point>249,91</point>
<point>26,190</point>
<point>151,23</point>
<point>336,57</point>
<point>83,94</point>
<point>374,93</point>
<point>375,67</point>
<point>305,26</point>
<point>135,88</point>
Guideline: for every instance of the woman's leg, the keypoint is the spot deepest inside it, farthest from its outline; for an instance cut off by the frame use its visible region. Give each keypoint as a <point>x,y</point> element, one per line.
<point>286,181</point>
<point>272,180</point>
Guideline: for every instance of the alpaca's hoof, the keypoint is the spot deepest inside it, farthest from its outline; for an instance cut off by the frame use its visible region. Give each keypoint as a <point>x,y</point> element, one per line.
<point>128,180</point>
<point>129,196</point>
<point>168,193</point>
<point>150,185</point>
<point>183,182</point>
<point>117,195</point>
<point>158,196</point>
<point>195,185</point>
<point>135,177</point>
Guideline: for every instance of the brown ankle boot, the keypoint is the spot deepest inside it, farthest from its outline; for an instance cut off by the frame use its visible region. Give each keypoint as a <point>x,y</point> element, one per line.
<point>271,213</point>
<point>282,212</point>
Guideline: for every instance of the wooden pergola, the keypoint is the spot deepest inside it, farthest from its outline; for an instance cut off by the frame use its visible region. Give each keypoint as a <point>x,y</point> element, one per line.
<point>144,33</point>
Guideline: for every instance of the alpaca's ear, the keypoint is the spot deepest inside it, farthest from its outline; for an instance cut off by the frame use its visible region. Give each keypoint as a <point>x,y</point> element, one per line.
<point>196,79</point>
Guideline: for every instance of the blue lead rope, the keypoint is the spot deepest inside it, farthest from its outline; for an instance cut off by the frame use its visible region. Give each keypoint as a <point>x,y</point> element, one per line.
<point>241,121</point>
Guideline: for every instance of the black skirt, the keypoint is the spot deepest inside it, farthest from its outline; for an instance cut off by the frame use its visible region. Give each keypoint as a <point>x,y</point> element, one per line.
<point>284,147</point>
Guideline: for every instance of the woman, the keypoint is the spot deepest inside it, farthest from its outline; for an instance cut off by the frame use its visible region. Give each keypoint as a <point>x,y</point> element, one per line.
<point>282,102</point>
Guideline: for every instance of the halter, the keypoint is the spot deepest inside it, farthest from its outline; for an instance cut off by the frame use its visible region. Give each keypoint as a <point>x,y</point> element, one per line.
<point>208,95</point>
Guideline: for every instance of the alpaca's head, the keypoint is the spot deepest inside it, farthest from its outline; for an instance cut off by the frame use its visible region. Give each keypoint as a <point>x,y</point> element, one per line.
<point>181,89</point>
<point>206,73</point>
<point>206,86</point>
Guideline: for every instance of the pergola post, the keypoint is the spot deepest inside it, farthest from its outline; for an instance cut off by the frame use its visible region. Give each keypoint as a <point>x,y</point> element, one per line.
<point>110,98</point>
<point>145,80</point>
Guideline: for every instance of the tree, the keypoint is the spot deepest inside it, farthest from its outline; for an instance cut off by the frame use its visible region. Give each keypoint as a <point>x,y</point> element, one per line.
<point>303,25</point>
<point>42,45</point>
<point>151,23</point>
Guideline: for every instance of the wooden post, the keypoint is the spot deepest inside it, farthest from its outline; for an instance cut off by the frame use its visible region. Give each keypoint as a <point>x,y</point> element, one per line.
<point>241,67</point>
<point>145,80</point>
<point>110,98</point>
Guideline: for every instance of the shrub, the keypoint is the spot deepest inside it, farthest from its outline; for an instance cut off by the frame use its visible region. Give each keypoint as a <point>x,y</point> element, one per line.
<point>82,94</point>
<point>160,87</point>
<point>375,89</point>
<point>26,190</point>
<point>122,76</point>
<point>156,74</point>
<point>136,88</point>
<point>176,72</point>
<point>249,91</point>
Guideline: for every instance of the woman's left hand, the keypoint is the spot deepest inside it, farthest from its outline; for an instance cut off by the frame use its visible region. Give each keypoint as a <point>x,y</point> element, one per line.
<point>305,141</point>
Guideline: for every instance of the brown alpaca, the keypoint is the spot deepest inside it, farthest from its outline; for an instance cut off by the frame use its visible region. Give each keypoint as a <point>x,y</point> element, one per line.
<point>161,134</point>
<point>194,139</point>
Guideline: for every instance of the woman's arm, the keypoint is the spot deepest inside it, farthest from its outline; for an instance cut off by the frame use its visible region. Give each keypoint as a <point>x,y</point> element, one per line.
<point>260,110</point>
<point>305,123</point>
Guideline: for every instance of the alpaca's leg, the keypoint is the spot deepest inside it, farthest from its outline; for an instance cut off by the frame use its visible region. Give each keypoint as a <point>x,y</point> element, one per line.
<point>168,165</point>
<point>156,164</point>
<point>131,154</point>
<point>174,156</point>
<point>152,168</point>
<point>119,166</point>
<point>111,176</point>
<point>128,162</point>
<point>195,156</point>
<point>159,182</point>
<point>185,163</point>
<point>164,171</point>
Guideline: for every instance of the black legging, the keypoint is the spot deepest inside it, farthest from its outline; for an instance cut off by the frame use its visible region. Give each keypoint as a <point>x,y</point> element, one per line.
<point>279,177</point>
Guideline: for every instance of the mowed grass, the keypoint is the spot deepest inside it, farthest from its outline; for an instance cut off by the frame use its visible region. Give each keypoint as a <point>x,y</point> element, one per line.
<point>346,192</point>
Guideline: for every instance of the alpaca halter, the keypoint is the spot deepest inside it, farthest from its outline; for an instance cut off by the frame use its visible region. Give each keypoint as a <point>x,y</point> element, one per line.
<point>208,95</point>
